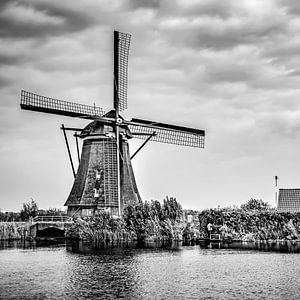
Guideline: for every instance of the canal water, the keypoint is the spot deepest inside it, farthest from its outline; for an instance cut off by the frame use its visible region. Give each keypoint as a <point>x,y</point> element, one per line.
<point>133,272</point>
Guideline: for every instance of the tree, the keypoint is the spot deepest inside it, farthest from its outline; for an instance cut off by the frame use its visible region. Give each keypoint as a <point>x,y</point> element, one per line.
<point>29,209</point>
<point>254,204</point>
<point>52,211</point>
<point>172,209</point>
<point>9,216</point>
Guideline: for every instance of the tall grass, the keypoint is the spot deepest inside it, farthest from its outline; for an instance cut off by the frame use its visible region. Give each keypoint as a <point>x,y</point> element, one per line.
<point>12,230</point>
<point>143,221</point>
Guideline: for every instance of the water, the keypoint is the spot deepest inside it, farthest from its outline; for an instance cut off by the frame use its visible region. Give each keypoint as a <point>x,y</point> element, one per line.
<point>189,272</point>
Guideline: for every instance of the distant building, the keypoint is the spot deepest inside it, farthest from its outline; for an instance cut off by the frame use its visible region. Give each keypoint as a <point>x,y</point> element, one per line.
<point>288,200</point>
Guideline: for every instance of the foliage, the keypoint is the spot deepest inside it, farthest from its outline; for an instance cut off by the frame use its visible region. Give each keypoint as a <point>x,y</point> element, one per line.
<point>52,211</point>
<point>254,221</point>
<point>10,216</point>
<point>30,209</point>
<point>254,204</point>
<point>172,209</point>
<point>151,219</point>
<point>12,230</point>
<point>148,220</point>
<point>102,227</point>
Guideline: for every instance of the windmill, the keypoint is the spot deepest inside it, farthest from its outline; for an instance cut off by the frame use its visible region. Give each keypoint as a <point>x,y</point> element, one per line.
<point>105,178</point>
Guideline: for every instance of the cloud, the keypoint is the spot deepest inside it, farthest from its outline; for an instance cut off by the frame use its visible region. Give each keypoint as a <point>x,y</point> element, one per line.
<point>229,67</point>
<point>25,21</point>
<point>5,82</point>
<point>292,6</point>
<point>217,33</point>
<point>136,4</point>
<point>41,19</point>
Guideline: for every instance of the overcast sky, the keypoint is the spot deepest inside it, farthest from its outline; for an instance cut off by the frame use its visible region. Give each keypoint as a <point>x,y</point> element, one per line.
<point>229,67</point>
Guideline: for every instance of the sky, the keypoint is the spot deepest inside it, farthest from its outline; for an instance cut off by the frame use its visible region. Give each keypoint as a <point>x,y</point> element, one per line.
<point>229,67</point>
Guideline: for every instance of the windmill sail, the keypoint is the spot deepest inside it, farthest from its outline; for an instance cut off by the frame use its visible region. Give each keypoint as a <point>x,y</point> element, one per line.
<point>121,52</point>
<point>167,133</point>
<point>31,101</point>
<point>105,178</point>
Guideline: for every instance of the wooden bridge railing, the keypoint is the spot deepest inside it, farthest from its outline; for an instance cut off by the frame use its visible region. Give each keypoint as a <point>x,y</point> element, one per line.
<point>46,219</point>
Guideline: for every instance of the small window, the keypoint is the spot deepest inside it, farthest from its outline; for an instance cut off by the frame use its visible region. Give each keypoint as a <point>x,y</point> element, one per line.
<point>86,212</point>
<point>96,193</point>
<point>98,174</point>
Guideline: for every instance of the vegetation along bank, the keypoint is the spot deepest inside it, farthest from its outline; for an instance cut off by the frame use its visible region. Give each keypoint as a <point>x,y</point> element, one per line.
<point>167,221</point>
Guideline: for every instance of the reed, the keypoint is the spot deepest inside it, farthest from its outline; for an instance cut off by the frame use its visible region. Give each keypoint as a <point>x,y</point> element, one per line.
<point>12,230</point>
<point>143,221</point>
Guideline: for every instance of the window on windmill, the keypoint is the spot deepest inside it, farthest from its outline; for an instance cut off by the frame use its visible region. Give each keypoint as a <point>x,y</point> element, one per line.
<point>96,193</point>
<point>86,212</point>
<point>98,174</point>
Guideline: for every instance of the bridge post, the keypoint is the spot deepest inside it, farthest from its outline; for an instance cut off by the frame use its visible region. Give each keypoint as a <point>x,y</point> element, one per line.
<point>33,230</point>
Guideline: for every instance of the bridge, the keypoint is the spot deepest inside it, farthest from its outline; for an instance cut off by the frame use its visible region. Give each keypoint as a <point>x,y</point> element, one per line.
<point>49,226</point>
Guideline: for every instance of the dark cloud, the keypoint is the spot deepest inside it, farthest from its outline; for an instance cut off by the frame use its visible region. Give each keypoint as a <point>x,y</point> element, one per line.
<point>5,82</point>
<point>40,19</point>
<point>74,19</point>
<point>145,3</point>
<point>7,59</point>
<point>285,49</point>
<point>294,73</point>
<point>213,8</point>
<point>231,74</point>
<point>3,3</point>
<point>292,6</point>
<point>165,8</point>
<point>216,34</point>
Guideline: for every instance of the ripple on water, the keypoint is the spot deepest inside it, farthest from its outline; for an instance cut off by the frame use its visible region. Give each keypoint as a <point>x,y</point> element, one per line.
<point>131,273</point>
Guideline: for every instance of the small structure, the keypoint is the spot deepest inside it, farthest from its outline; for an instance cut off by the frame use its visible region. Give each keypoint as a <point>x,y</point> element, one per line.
<point>49,226</point>
<point>289,200</point>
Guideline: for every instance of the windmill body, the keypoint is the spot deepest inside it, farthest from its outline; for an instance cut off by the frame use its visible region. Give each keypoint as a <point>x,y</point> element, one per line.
<point>96,183</point>
<point>105,179</point>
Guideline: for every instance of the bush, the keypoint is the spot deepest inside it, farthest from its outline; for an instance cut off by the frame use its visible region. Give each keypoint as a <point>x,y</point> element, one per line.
<point>30,209</point>
<point>251,224</point>
<point>254,204</point>
<point>142,221</point>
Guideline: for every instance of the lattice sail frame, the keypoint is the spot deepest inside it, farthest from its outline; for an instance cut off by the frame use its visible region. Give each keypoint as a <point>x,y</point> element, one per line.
<point>121,49</point>
<point>31,101</point>
<point>166,133</point>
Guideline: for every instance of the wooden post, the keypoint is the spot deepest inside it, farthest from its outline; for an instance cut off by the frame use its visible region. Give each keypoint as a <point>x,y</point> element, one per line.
<point>69,152</point>
<point>77,146</point>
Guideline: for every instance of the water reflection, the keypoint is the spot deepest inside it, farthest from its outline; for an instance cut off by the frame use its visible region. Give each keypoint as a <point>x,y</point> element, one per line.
<point>27,244</point>
<point>122,248</point>
<point>111,248</point>
<point>276,246</point>
<point>152,271</point>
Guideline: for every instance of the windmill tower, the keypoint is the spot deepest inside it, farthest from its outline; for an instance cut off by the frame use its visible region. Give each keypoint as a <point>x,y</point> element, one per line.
<point>105,178</point>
